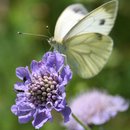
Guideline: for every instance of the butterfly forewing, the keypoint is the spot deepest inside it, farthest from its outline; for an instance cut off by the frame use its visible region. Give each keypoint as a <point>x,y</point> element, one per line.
<point>88,53</point>
<point>100,20</point>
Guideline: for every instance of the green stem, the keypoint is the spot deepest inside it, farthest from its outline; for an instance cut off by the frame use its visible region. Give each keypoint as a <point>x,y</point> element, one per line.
<point>80,122</point>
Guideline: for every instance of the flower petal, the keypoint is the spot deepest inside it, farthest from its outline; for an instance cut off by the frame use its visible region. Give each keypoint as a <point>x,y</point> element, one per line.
<point>99,118</point>
<point>26,106</point>
<point>53,59</point>
<point>26,118</point>
<point>66,113</point>
<point>41,117</point>
<point>66,74</point>
<point>20,87</point>
<point>22,108</point>
<point>59,61</point>
<point>23,73</point>
<point>36,66</point>
<point>14,109</point>
<point>60,104</point>
<point>120,104</point>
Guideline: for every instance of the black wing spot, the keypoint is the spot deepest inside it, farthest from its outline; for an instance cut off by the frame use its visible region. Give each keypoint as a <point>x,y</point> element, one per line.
<point>79,10</point>
<point>76,10</point>
<point>102,22</point>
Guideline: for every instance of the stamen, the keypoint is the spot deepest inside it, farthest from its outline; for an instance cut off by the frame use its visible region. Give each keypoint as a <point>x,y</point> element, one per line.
<point>42,89</point>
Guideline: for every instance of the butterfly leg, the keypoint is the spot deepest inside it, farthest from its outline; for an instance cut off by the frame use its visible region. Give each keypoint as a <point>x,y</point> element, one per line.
<point>65,63</point>
<point>50,48</point>
<point>65,58</point>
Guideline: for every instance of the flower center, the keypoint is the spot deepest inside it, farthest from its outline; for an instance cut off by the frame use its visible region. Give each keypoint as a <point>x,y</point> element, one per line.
<point>43,89</point>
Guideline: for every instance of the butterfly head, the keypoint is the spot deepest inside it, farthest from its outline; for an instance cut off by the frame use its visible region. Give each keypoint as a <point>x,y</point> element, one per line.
<point>52,41</point>
<point>56,45</point>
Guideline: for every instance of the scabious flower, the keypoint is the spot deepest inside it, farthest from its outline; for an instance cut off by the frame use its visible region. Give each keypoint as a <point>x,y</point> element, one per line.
<point>95,108</point>
<point>42,90</point>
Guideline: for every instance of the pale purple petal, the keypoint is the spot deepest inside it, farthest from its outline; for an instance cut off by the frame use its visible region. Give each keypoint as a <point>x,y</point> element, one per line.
<point>66,74</point>
<point>41,117</point>
<point>22,108</point>
<point>60,104</point>
<point>19,86</point>
<point>49,59</point>
<point>26,118</point>
<point>14,109</point>
<point>120,104</point>
<point>21,97</point>
<point>99,118</point>
<point>22,73</point>
<point>34,66</point>
<point>26,106</point>
<point>54,60</point>
<point>17,112</point>
<point>66,113</point>
<point>59,61</point>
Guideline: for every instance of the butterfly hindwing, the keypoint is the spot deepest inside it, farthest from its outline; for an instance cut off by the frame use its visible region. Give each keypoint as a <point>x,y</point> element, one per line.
<point>88,53</point>
<point>100,20</point>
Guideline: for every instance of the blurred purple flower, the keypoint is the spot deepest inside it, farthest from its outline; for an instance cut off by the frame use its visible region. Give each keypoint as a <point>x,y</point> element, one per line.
<point>95,108</point>
<point>42,90</point>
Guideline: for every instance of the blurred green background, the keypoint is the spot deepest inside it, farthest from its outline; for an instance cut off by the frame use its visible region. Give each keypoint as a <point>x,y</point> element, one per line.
<point>33,16</point>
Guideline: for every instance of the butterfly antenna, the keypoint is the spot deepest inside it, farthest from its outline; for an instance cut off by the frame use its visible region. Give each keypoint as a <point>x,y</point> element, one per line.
<point>32,34</point>
<point>47,28</point>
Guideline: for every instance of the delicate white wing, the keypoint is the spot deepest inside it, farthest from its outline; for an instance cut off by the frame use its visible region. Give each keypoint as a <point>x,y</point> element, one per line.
<point>100,20</point>
<point>70,16</point>
<point>88,53</point>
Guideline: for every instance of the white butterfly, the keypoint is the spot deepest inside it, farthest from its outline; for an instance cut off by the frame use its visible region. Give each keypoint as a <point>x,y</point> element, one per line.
<point>83,37</point>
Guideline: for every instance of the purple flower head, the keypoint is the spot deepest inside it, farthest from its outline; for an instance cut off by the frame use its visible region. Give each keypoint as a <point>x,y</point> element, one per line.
<point>42,90</point>
<point>95,108</point>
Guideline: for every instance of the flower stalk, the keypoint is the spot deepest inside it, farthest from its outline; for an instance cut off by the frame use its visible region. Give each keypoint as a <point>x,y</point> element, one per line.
<point>80,122</point>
